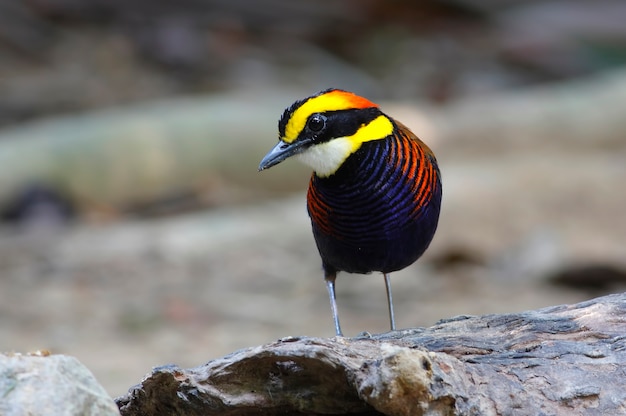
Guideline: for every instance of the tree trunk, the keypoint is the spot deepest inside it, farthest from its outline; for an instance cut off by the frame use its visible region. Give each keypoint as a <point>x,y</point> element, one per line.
<point>559,360</point>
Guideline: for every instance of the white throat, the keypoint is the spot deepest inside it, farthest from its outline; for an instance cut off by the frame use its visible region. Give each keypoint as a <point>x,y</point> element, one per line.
<point>326,158</point>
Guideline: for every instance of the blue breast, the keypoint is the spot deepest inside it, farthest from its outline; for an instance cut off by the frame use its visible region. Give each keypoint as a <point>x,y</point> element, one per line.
<point>380,210</point>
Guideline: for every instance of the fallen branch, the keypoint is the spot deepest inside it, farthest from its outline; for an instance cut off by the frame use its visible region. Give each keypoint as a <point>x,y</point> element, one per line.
<point>559,360</point>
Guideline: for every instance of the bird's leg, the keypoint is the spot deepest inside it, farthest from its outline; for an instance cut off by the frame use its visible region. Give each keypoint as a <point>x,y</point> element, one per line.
<point>330,285</point>
<point>392,318</point>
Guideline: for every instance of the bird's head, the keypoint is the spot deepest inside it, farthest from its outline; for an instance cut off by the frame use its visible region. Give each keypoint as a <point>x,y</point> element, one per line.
<point>326,128</point>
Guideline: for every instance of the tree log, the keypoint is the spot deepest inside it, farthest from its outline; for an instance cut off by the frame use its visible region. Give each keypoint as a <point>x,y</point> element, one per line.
<point>567,359</point>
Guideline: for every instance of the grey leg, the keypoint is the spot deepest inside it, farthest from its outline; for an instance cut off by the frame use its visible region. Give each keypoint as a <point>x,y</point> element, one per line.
<point>392,319</point>
<point>330,285</point>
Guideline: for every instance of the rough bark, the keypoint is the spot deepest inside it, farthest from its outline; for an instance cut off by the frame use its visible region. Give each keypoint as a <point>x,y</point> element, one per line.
<point>566,360</point>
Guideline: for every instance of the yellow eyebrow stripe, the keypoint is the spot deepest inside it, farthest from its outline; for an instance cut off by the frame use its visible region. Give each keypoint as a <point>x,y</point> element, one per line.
<point>332,101</point>
<point>377,129</point>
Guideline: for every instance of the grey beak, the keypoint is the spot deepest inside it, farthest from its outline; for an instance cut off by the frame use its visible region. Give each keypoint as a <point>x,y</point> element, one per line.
<point>279,153</point>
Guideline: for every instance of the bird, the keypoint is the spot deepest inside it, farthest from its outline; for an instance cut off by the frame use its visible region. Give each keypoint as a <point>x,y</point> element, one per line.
<point>374,196</point>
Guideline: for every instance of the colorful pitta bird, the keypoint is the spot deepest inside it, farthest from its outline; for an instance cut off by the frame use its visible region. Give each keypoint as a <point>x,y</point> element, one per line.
<point>375,193</point>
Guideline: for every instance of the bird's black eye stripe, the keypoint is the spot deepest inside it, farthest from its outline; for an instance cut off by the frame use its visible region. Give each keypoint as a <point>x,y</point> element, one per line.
<point>316,123</point>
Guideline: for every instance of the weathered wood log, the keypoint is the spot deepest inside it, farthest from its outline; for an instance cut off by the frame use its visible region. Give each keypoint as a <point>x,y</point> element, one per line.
<point>123,156</point>
<point>568,359</point>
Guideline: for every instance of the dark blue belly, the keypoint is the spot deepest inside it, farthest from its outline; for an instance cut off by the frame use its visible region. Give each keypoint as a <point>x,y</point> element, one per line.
<point>398,248</point>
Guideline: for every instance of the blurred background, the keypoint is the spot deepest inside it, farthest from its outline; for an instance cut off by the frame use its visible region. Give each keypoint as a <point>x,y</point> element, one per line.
<point>136,230</point>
